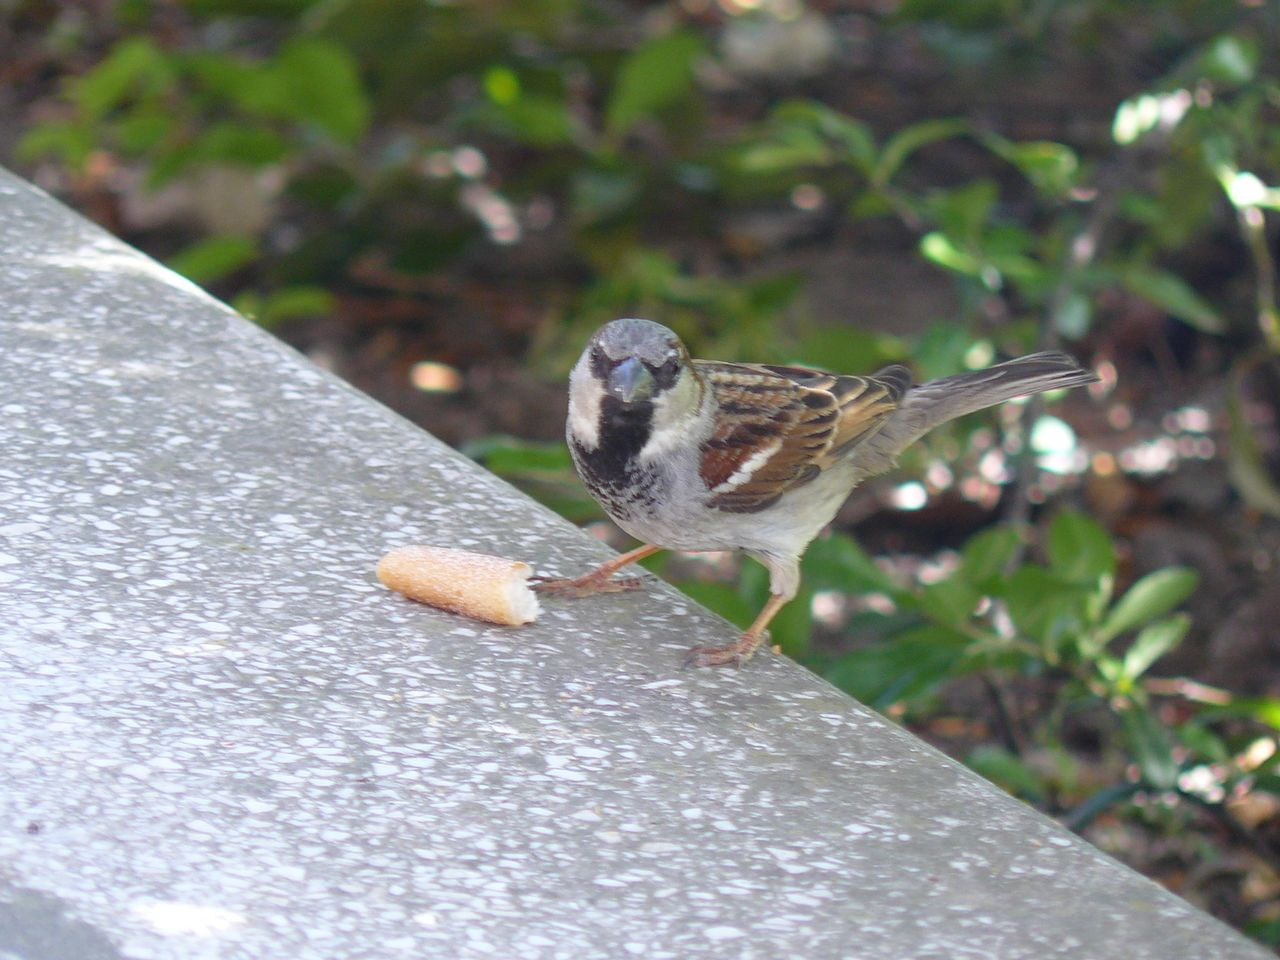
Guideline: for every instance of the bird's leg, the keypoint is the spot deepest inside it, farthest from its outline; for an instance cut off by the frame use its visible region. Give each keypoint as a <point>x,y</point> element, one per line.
<point>740,651</point>
<point>597,580</point>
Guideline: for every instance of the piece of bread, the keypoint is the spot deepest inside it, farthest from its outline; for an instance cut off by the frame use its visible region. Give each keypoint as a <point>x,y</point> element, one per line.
<point>477,585</point>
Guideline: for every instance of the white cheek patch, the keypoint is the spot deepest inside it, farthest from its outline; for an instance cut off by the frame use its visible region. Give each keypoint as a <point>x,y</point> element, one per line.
<point>585,397</point>
<point>672,412</point>
<point>749,468</point>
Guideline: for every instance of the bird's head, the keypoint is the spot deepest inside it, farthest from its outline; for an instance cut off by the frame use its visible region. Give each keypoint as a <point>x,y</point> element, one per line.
<point>636,360</point>
<point>634,371</point>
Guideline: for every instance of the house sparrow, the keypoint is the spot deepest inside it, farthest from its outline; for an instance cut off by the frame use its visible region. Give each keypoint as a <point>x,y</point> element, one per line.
<point>701,455</point>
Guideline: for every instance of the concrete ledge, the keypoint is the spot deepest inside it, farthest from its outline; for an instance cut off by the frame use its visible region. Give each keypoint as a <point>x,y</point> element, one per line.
<point>220,737</point>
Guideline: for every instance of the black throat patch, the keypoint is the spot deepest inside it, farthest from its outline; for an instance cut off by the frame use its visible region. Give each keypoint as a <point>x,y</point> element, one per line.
<point>624,430</point>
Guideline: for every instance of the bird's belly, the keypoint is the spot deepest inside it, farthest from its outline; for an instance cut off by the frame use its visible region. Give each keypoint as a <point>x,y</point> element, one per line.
<point>677,532</point>
<point>783,529</point>
<point>654,507</point>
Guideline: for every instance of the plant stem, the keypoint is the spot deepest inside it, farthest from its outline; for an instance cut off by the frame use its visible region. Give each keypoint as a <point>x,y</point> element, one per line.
<point>1253,227</point>
<point>1010,730</point>
<point>1083,815</point>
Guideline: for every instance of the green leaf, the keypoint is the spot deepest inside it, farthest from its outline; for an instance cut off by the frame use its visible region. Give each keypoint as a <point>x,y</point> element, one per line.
<point>1155,594</point>
<point>1153,642</point>
<point>872,204</point>
<point>838,563</point>
<point>135,67</point>
<point>964,211</point>
<point>284,304</point>
<point>909,666</point>
<point>1112,671</point>
<point>253,88</point>
<point>950,602</point>
<point>1080,549</point>
<point>300,301</point>
<point>239,144</point>
<point>940,350</point>
<point>1007,771</point>
<point>508,455</point>
<point>1170,292</point>
<point>984,558</point>
<point>1148,742</point>
<point>851,137</point>
<point>942,250</point>
<point>321,85</point>
<point>214,257</point>
<point>1043,607</point>
<point>802,149</point>
<point>846,348</point>
<point>792,138</point>
<point>534,118</point>
<point>1263,709</point>
<point>72,143</point>
<point>651,78</point>
<point>1025,271</point>
<point>502,84</point>
<point>142,129</point>
<point>1051,167</point>
<point>856,141</point>
<point>899,147</point>
<point>721,598</point>
<point>1230,61</point>
<point>769,296</point>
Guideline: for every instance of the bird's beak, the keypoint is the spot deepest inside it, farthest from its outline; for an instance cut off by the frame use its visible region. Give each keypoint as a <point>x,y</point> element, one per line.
<point>630,381</point>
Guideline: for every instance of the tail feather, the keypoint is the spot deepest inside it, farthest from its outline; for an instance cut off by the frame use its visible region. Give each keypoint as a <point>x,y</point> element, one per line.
<point>930,404</point>
<point>963,393</point>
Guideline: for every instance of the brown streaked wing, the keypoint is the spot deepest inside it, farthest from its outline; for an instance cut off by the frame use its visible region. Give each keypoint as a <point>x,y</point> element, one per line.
<point>865,403</point>
<point>791,420</point>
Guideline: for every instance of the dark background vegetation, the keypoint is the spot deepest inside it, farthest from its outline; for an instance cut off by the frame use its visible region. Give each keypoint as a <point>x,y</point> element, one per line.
<point>440,200</point>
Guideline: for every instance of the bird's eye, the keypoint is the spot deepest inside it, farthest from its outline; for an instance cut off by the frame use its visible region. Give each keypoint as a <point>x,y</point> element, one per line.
<point>599,362</point>
<point>666,374</point>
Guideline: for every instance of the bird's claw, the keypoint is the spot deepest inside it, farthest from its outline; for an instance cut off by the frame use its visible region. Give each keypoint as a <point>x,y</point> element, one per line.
<point>583,586</point>
<point>713,657</point>
<point>730,655</point>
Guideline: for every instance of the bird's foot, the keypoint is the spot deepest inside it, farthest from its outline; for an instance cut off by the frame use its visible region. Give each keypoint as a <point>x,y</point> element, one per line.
<point>730,655</point>
<point>585,586</point>
<point>597,580</point>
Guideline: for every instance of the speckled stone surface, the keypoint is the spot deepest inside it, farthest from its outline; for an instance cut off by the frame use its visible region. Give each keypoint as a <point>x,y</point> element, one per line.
<point>221,737</point>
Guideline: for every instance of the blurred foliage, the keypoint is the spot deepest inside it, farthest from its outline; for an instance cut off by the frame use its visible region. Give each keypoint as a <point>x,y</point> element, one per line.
<point>383,143</point>
<point>413,134</point>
